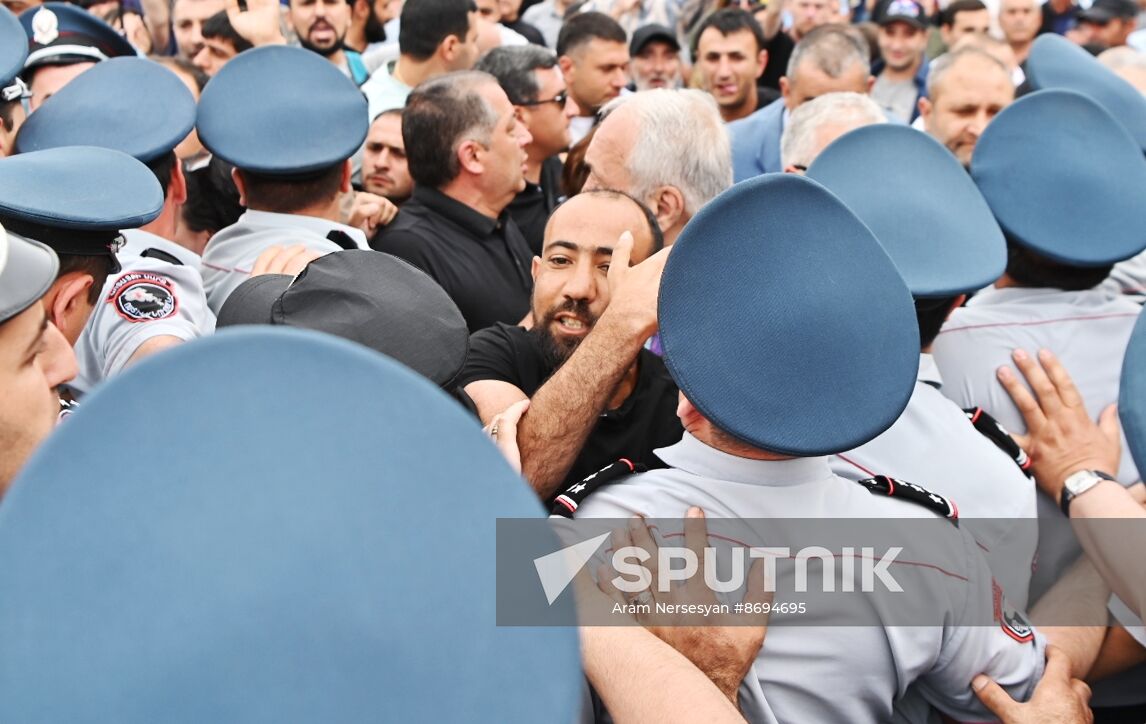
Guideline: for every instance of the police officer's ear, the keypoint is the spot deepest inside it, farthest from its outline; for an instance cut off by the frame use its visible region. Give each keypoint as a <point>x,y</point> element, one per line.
<point>69,303</point>
<point>667,203</point>
<point>347,173</point>
<point>925,108</point>
<point>177,187</point>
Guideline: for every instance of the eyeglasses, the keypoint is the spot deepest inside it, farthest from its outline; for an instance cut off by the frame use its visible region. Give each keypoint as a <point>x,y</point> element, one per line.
<point>17,91</point>
<point>560,99</point>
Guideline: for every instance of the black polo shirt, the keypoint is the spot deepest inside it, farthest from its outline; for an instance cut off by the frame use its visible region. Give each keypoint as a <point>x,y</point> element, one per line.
<point>644,422</point>
<point>531,208</point>
<point>482,263</point>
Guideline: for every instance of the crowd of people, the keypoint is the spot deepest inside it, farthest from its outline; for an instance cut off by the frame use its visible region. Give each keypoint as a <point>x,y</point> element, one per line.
<point>671,260</point>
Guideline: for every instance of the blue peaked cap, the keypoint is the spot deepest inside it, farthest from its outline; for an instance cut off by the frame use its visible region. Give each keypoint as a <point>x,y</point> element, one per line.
<point>785,323</point>
<point>1064,179</point>
<point>323,552</point>
<point>925,211</point>
<point>133,105</point>
<point>282,111</point>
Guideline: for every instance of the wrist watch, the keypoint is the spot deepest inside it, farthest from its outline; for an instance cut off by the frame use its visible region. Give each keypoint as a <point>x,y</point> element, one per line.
<point>1078,483</point>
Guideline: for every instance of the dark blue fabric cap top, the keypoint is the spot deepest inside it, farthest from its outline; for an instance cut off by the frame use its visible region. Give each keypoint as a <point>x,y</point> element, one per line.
<point>13,47</point>
<point>1132,394</point>
<point>133,105</point>
<point>1057,63</point>
<point>82,187</point>
<point>1064,179</point>
<point>785,323</point>
<point>925,210</point>
<point>283,568</point>
<point>282,111</point>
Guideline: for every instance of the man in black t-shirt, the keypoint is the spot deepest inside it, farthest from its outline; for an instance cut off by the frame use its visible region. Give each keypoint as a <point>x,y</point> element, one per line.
<point>596,394</point>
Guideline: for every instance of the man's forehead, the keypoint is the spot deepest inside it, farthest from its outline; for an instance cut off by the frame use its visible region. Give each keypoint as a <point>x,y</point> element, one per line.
<point>387,126</point>
<point>595,220</point>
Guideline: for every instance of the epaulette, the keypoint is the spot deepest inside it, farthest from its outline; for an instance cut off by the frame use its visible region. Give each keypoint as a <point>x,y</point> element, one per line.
<point>567,502</point>
<point>161,255</point>
<point>892,488</point>
<point>990,428</point>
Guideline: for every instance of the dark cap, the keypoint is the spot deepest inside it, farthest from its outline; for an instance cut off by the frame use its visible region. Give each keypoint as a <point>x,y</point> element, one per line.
<point>646,34</point>
<point>1103,11</point>
<point>900,11</point>
<point>63,34</point>
<point>365,296</point>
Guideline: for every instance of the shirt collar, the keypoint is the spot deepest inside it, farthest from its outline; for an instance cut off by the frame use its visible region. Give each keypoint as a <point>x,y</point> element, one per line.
<point>929,371</point>
<point>1004,295</point>
<point>457,212</point>
<point>693,456</point>
<point>322,227</point>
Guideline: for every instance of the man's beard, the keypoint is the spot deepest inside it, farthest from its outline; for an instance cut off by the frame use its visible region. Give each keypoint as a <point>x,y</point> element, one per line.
<point>556,351</point>
<point>324,52</point>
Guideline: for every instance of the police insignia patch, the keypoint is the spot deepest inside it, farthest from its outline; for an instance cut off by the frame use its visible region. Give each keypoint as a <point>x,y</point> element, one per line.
<point>1012,621</point>
<point>45,26</point>
<point>143,297</point>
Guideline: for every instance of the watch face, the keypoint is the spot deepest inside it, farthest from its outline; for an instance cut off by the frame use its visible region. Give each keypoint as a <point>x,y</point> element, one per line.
<point>1080,481</point>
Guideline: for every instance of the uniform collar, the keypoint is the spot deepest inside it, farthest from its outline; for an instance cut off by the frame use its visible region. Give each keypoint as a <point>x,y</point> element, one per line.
<point>693,456</point>
<point>1004,295</point>
<point>929,371</point>
<point>322,227</point>
<point>457,212</point>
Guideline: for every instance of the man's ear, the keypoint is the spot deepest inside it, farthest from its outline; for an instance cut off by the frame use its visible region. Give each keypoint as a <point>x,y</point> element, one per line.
<point>786,91</point>
<point>925,110</point>
<point>685,412</point>
<point>667,203</point>
<point>240,186</point>
<point>177,188</point>
<point>470,157</point>
<point>68,307</point>
<point>448,49</point>
<point>565,63</point>
<point>360,9</point>
<point>534,267</point>
<point>761,63</point>
<point>870,83</point>
<point>347,172</point>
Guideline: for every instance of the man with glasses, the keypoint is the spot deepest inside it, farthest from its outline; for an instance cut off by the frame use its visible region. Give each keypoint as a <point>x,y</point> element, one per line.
<point>535,86</point>
<point>466,152</point>
<point>14,95</point>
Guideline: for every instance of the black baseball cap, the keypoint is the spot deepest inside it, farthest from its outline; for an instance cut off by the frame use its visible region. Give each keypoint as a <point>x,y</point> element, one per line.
<point>1103,11</point>
<point>900,11</point>
<point>375,299</point>
<point>646,34</point>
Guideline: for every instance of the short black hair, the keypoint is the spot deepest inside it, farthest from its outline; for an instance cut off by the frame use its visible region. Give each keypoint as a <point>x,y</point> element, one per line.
<point>931,313</point>
<point>947,17</point>
<point>6,111</point>
<point>212,199</point>
<point>438,113</point>
<point>1031,269</point>
<point>514,67</point>
<point>585,27</point>
<point>729,21</point>
<point>219,26</point>
<point>288,196</point>
<point>426,23</point>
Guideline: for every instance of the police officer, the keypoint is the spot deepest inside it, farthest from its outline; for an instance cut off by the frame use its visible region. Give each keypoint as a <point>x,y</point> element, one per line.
<point>939,232</point>
<point>1057,63</point>
<point>288,121</point>
<point>14,94</point>
<point>64,40</point>
<point>77,200</point>
<point>214,582</point>
<point>764,398</point>
<point>141,108</point>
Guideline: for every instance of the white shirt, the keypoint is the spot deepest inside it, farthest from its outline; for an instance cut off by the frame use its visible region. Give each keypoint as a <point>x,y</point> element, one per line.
<point>934,445</point>
<point>231,253</point>
<point>812,672</point>
<point>384,92</point>
<point>149,298</point>
<point>1087,330</point>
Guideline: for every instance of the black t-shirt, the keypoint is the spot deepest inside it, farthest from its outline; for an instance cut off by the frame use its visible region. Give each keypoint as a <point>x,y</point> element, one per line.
<point>644,422</point>
<point>531,208</point>
<point>482,263</point>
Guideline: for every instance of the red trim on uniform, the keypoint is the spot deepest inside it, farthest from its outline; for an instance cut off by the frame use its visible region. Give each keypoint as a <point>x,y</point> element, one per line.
<point>628,462</point>
<point>566,502</point>
<point>1036,324</point>
<point>977,415</point>
<point>854,464</point>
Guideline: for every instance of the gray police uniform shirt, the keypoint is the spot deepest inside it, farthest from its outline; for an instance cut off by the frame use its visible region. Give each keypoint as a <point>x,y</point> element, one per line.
<point>150,297</point>
<point>934,445</point>
<point>231,253</point>
<point>817,671</point>
<point>1088,331</point>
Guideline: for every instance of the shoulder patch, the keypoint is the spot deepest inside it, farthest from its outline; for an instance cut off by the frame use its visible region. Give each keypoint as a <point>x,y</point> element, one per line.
<point>892,488</point>
<point>990,428</point>
<point>567,502</point>
<point>1010,619</point>
<point>143,297</point>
